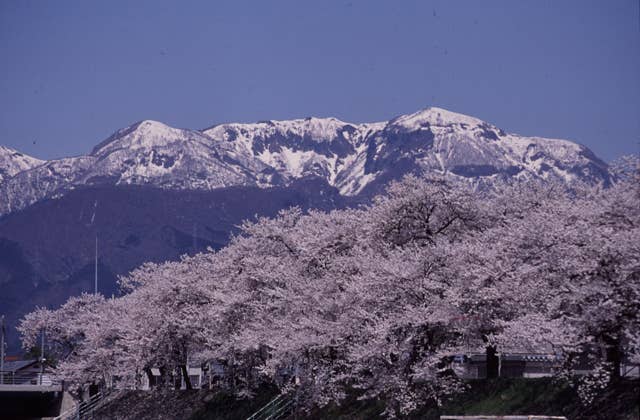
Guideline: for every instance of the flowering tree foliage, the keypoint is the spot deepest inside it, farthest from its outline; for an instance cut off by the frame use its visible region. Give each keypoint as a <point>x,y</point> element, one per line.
<point>83,336</point>
<point>375,300</point>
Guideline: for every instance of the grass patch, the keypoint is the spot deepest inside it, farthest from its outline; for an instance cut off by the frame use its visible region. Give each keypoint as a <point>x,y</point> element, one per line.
<point>503,396</point>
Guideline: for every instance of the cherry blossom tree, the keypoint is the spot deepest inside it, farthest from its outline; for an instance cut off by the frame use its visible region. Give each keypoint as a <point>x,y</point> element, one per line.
<point>375,300</point>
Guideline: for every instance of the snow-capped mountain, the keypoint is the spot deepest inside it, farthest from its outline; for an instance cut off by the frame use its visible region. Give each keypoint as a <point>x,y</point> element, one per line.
<point>438,141</point>
<point>13,162</point>
<point>354,158</point>
<point>146,153</point>
<point>324,147</point>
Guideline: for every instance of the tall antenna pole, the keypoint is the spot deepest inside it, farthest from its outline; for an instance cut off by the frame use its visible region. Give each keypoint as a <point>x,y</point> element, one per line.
<point>95,283</point>
<point>2,350</point>
<point>195,241</point>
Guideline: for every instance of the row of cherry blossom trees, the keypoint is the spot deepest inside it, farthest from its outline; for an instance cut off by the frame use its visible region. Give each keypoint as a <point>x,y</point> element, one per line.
<point>375,300</point>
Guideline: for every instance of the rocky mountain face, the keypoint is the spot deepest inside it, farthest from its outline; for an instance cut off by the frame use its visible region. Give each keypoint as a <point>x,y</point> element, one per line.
<point>151,192</point>
<point>354,158</point>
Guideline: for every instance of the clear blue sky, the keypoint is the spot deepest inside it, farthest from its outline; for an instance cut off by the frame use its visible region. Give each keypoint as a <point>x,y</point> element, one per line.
<point>72,72</point>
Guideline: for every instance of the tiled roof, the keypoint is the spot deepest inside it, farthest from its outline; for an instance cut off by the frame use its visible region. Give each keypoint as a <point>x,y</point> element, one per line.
<point>14,366</point>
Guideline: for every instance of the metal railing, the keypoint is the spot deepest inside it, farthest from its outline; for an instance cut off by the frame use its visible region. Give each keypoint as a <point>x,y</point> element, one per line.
<point>85,409</point>
<point>480,417</point>
<point>278,408</point>
<point>35,378</point>
<point>630,370</point>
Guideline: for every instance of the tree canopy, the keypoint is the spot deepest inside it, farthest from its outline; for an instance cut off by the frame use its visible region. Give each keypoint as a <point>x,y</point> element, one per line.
<point>376,299</point>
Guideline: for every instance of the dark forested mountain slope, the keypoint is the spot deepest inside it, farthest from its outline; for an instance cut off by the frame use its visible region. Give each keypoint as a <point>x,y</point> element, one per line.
<point>47,250</point>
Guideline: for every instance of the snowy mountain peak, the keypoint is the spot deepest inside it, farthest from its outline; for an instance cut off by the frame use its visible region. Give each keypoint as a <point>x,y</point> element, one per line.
<point>310,128</point>
<point>141,135</point>
<point>152,126</point>
<point>13,162</point>
<point>320,128</point>
<point>434,116</point>
<point>6,152</point>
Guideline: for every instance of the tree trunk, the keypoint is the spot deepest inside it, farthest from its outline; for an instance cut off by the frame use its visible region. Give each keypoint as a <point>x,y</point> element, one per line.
<point>165,377</point>
<point>613,354</point>
<point>185,374</point>
<point>493,362</point>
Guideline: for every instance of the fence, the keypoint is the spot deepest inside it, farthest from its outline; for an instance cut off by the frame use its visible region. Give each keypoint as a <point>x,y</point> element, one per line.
<point>28,378</point>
